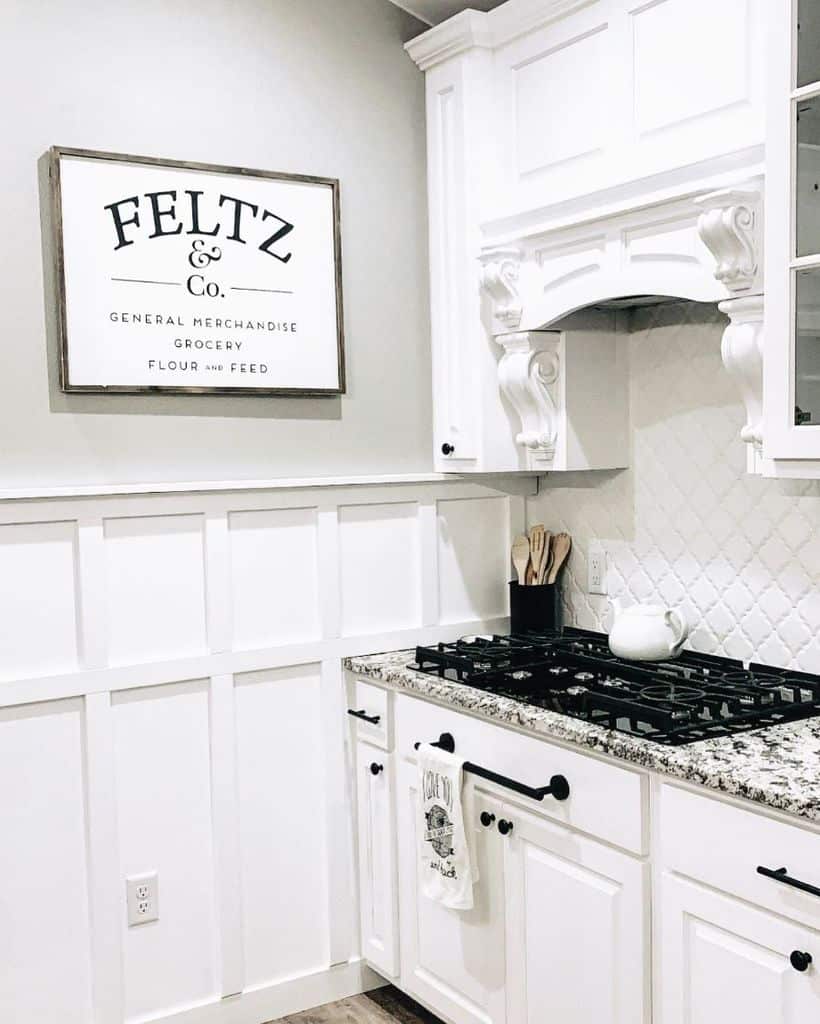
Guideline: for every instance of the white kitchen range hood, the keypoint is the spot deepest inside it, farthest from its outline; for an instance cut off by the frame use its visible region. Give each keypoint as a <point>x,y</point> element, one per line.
<point>585,156</point>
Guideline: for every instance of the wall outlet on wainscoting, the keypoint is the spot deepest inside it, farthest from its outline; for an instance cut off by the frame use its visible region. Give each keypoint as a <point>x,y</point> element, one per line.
<point>143,898</point>
<point>596,575</point>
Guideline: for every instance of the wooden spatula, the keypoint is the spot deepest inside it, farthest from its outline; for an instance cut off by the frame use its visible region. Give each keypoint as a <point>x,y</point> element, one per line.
<point>561,546</point>
<point>536,553</point>
<point>521,557</point>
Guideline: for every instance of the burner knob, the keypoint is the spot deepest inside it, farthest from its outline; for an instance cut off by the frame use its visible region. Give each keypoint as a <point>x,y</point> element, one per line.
<point>376,768</point>
<point>505,827</point>
<point>799,961</point>
<point>487,819</point>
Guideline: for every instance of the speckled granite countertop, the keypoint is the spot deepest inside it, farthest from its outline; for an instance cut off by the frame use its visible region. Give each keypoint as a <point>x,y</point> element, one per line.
<point>779,766</point>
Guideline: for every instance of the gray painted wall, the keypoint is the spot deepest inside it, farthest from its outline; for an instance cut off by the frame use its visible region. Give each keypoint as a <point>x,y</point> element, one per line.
<point>319,87</point>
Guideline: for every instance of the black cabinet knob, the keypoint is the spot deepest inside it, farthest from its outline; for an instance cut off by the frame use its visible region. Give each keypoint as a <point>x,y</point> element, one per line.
<point>447,448</point>
<point>505,827</point>
<point>376,768</point>
<point>800,961</point>
<point>487,819</point>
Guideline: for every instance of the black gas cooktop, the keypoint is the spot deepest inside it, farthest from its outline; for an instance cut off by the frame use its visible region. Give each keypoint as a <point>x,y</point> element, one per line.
<point>692,697</point>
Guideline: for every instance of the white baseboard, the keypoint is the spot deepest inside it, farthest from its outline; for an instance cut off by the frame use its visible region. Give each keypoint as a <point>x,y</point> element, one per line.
<point>258,1006</point>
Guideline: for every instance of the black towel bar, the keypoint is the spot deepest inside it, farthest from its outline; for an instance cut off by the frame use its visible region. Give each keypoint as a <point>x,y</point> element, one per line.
<point>558,787</point>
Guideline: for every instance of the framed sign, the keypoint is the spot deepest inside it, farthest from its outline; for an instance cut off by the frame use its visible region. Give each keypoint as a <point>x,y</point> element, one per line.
<point>191,278</point>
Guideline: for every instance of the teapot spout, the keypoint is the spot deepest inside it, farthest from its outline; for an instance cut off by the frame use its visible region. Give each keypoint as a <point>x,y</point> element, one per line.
<point>617,606</point>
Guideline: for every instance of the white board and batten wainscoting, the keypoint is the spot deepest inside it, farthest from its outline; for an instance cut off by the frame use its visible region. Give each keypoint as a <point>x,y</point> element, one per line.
<point>171,700</point>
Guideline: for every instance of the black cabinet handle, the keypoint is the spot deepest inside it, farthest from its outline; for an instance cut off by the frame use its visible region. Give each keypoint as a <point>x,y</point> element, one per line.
<point>376,768</point>
<point>373,719</point>
<point>487,819</point>
<point>505,827</point>
<point>447,448</point>
<point>558,787</point>
<point>782,875</point>
<point>800,961</point>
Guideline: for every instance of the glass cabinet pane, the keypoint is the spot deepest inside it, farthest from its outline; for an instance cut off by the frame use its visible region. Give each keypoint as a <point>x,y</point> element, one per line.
<point>807,200</point>
<point>807,348</point>
<point>808,42</point>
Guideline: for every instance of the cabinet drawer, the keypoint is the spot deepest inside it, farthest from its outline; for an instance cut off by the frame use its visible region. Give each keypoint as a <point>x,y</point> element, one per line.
<point>723,846</point>
<point>605,800</point>
<point>374,702</point>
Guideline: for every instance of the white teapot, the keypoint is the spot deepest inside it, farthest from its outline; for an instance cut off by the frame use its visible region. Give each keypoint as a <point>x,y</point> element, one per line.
<point>646,632</point>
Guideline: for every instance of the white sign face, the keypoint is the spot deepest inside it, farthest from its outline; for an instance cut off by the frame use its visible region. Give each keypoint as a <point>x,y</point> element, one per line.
<point>191,278</point>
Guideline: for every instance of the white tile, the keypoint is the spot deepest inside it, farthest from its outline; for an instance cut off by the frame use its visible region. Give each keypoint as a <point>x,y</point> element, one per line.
<point>37,599</point>
<point>274,584</point>
<point>473,538</point>
<point>379,567</point>
<point>155,581</point>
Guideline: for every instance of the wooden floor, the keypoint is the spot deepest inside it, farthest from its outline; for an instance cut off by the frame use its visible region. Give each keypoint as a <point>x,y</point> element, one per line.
<point>382,1006</point>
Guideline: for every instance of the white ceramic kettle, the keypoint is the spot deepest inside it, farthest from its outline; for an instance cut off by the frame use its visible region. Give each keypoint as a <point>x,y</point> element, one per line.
<point>646,632</point>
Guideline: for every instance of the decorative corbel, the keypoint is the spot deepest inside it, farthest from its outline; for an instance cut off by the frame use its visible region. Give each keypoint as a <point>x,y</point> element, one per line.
<point>528,373</point>
<point>500,268</point>
<point>731,226</point>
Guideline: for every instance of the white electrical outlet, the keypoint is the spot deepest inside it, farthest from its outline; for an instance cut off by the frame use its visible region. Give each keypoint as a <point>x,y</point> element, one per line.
<point>143,898</point>
<point>596,578</point>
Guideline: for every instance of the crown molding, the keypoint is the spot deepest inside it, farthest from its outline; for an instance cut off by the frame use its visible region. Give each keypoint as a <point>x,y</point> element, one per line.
<point>466,31</point>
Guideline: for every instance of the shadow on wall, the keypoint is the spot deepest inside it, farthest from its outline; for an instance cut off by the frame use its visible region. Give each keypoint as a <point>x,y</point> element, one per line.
<point>225,406</point>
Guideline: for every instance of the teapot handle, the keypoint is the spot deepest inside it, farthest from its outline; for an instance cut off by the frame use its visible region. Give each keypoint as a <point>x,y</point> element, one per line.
<point>679,626</point>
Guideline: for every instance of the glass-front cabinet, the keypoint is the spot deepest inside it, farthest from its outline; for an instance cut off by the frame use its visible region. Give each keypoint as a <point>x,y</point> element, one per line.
<point>792,335</point>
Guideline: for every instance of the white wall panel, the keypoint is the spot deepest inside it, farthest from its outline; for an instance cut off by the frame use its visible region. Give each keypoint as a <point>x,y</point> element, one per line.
<point>380,571</point>
<point>45,974</point>
<point>37,599</point>
<point>284,841</point>
<point>156,588</point>
<point>668,36</point>
<point>162,758</point>
<point>473,558</point>
<point>234,788</point>
<point>274,586</point>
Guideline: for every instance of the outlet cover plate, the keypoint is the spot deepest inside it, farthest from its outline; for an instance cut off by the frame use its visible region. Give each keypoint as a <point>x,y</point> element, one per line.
<point>142,893</point>
<point>596,562</point>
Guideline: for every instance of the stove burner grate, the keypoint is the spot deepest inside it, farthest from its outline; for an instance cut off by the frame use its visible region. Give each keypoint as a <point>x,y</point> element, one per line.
<point>694,697</point>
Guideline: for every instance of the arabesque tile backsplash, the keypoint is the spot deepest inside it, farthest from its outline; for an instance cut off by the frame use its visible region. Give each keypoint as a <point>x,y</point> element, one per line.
<point>686,525</point>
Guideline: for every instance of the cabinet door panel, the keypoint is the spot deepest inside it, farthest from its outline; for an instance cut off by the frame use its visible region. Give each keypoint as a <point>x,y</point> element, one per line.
<point>452,960</point>
<point>576,928</point>
<point>723,960</point>
<point>377,862</point>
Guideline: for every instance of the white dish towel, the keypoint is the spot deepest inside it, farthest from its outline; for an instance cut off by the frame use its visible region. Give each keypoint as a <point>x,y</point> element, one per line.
<point>446,829</point>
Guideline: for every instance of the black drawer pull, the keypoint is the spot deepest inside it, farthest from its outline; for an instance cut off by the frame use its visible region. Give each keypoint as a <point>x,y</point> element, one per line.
<point>505,827</point>
<point>800,961</point>
<point>375,768</point>
<point>782,875</point>
<point>363,715</point>
<point>487,819</point>
<point>558,787</point>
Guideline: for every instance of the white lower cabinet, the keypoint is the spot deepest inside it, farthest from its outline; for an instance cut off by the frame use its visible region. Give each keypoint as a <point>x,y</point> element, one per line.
<point>724,961</point>
<point>567,897</point>
<point>452,960</point>
<point>377,858</point>
<point>558,932</point>
<point>577,927</point>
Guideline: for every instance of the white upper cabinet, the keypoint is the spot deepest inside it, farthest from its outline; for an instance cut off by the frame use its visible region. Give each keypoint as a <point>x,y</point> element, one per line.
<point>581,151</point>
<point>792,364</point>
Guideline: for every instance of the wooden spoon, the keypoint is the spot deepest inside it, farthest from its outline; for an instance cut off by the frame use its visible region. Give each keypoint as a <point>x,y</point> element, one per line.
<point>561,547</point>
<point>521,557</point>
<point>536,553</point>
<point>546,561</point>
